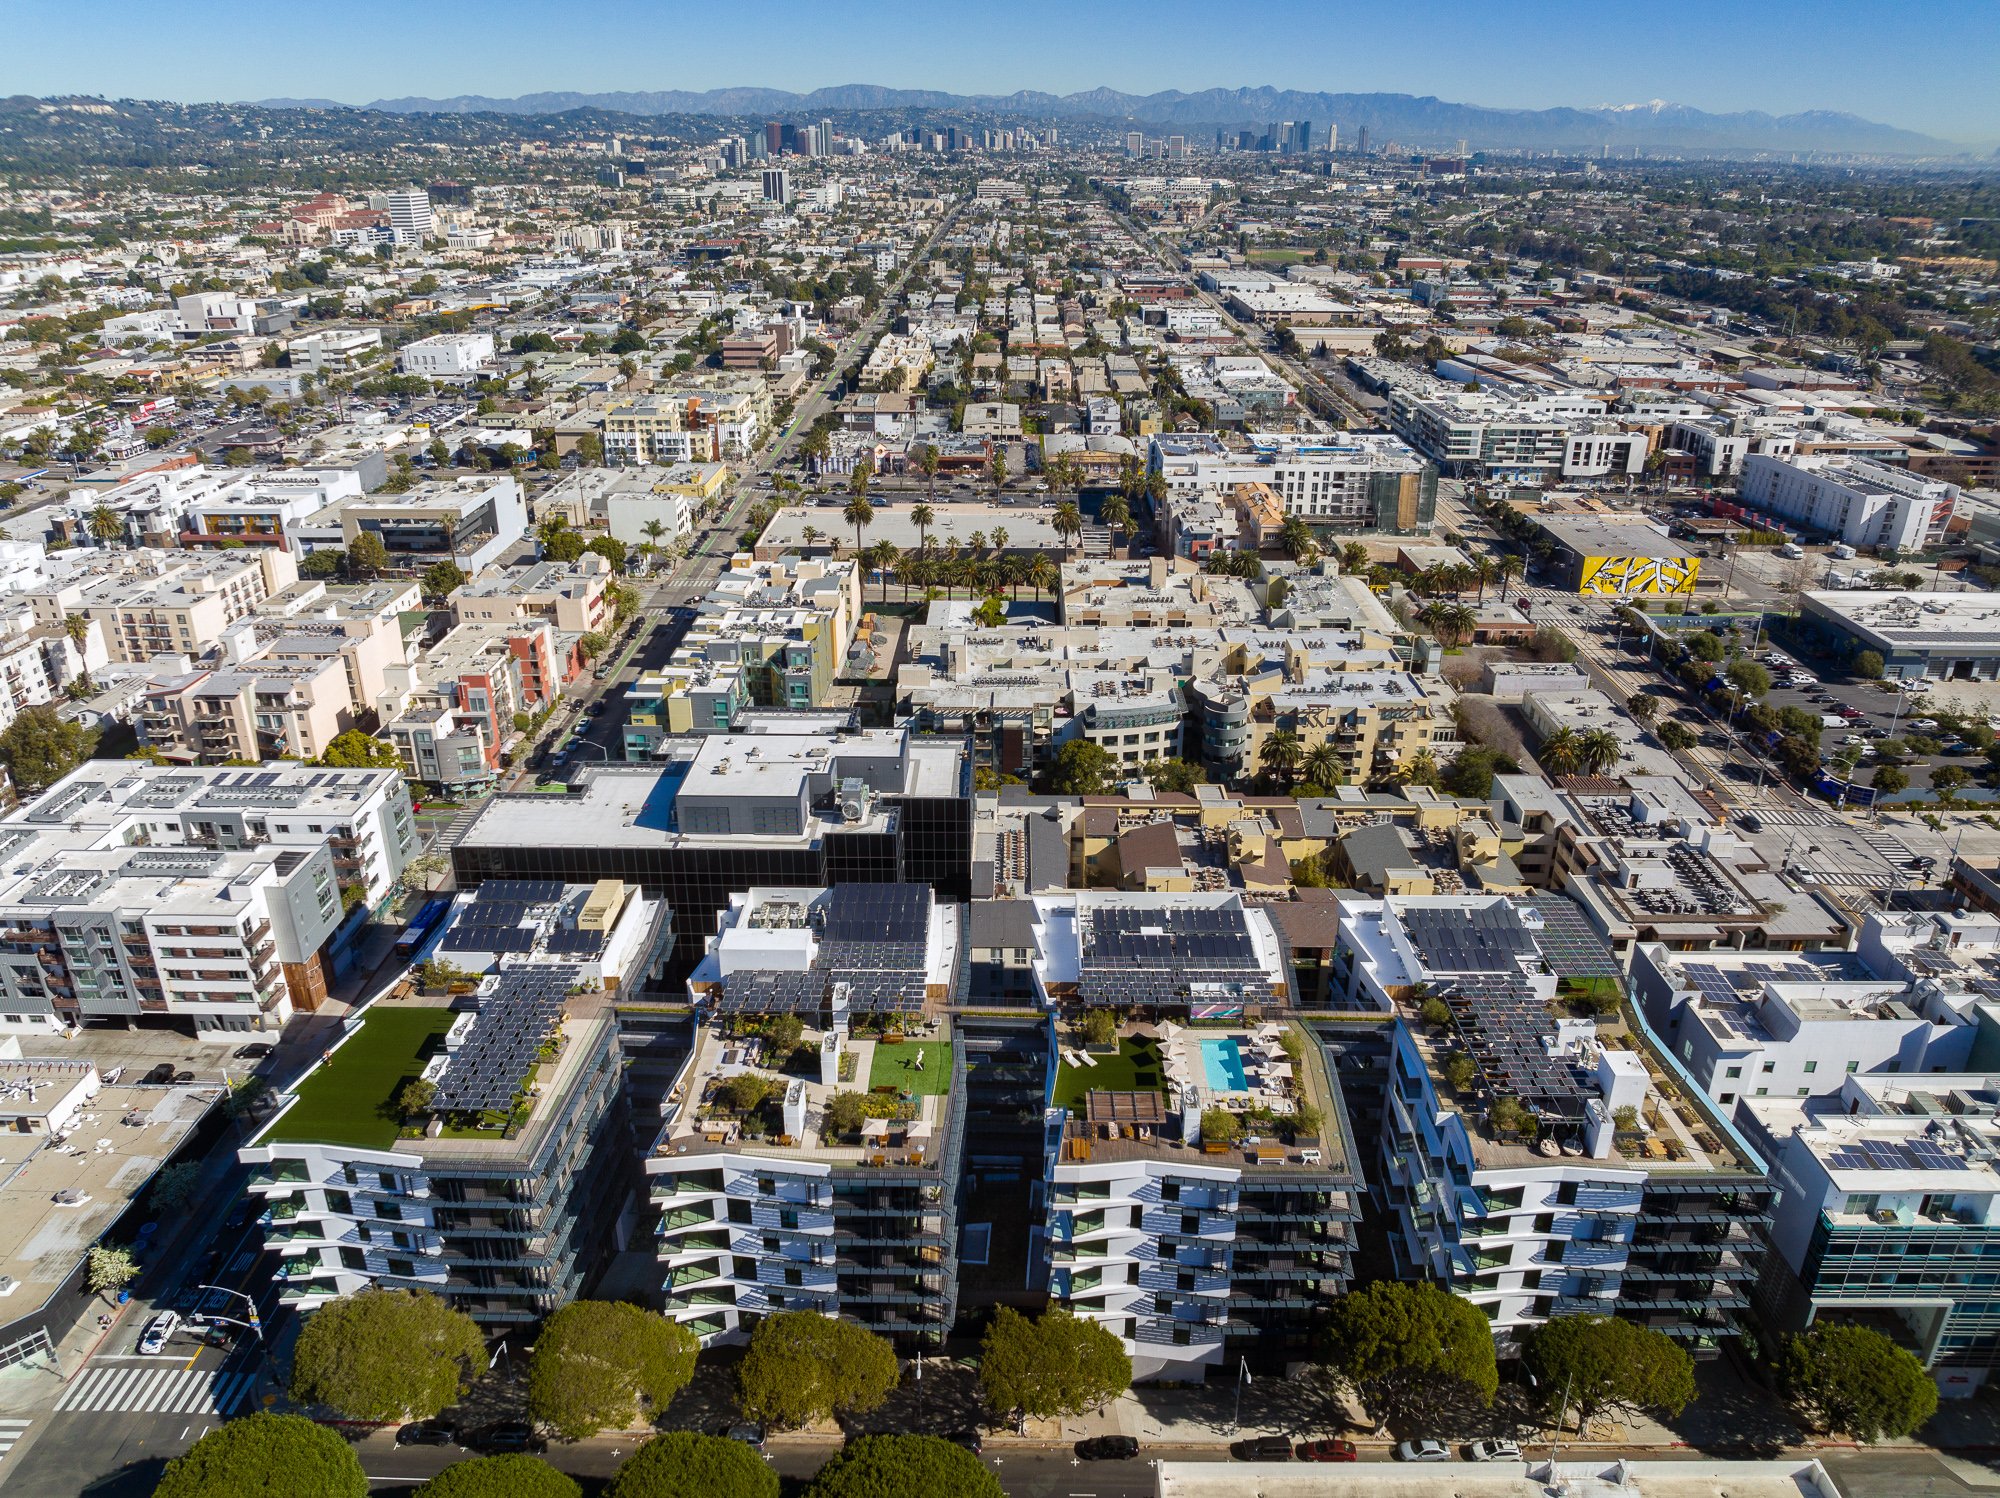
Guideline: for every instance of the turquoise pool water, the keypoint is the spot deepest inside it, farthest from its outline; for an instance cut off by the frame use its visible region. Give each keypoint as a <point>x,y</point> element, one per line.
<point>1222,1062</point>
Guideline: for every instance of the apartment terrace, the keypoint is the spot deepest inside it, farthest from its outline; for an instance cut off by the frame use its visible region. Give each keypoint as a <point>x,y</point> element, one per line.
<point>1128,1104</point>
<point>904,1076</point>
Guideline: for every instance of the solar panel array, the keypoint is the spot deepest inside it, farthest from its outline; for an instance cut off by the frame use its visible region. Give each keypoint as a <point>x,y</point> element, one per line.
<point>1475,939</point>
<point>1887,1154</point>
<point>514,1020</point>
<point>1504,1027</point>
<point>469,938</point>
<point>873,946</point>
<point>524,891</point>
<point>1567,942</point>
<point>1140,956</point>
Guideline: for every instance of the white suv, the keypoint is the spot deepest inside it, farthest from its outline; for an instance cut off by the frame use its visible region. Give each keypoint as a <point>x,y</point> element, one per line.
<point>159,1331</point>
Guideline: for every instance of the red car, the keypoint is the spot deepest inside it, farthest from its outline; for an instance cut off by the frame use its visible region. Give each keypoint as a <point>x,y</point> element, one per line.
<point>1328,1451</point>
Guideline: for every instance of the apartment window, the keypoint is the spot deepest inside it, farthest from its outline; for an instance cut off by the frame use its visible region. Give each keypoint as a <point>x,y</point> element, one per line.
<point>1732,1072</point>
<point>402,1267</point>
<point>1727,1097</point>
<point>1763,1092</point>
<point>389,1211</point>
<point>388,1181</point>
<point>1769,1067</point>
<point>1853,1067</point>
<point>353,1258</point>
<point>1811,1067</point>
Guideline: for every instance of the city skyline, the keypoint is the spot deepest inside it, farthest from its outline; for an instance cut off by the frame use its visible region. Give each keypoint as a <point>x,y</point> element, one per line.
<point>1838,56</point>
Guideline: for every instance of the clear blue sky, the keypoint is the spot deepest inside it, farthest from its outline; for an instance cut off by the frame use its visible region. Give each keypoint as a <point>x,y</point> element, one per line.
<point>1928,65</point>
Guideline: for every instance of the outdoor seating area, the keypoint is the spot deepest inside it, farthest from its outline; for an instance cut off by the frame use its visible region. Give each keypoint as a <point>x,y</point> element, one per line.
<point>1240,1072</point>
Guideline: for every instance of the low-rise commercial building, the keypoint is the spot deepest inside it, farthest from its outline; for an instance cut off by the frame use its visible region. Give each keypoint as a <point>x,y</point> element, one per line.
<point>1618,559</point>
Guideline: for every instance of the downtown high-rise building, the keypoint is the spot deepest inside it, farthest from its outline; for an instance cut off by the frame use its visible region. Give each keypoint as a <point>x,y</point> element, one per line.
<point>410,215</point>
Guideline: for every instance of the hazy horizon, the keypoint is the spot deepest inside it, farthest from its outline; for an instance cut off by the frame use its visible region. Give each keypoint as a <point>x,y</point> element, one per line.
<point>1718,56</point>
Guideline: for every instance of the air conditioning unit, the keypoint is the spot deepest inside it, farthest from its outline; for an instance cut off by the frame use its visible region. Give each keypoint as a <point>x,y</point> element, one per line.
<point>856,797</point>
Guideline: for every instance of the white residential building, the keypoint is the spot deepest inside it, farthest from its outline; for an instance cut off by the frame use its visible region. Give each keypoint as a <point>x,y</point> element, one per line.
<point>1852,499</point>
<point>456,358</point>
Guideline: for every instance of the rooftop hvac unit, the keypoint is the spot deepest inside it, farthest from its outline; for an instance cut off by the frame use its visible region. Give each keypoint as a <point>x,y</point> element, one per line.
<point>856,797</point>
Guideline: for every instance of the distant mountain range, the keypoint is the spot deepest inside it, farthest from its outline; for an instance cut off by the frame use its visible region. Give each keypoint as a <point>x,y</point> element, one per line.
<point>1416,121</point>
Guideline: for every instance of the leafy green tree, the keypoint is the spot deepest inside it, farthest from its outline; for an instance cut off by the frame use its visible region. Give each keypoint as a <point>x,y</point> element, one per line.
<point>1390,1333</point>
<point>442,579</point>
<point>681,1464</point>
<point>325,562</point>
<point>1889,780</point>
<point>803,1367</point>
<point>385,1355</point>
<point>1471,772</point>
<point>266,1456</point>
<point>1676,736</point>
<point>173,1186</point>
<point>611,549</point>
<point>1081,769</point>
<point>1749,678</point>
<point>1854,1379</point>
<point>592,643</point>
<point>366,555</point>
<point>355,750</point>
<point>512,1476</point>
<point>899,1466</point>
<point>1868,665</point>
<point>108,1268</point>
<point>41,746</point>
<point>601,1364</point>
<point>1604,1363</point>
<point>563,546</point>
<point>1058,1364</point>
<point>1704,645</point>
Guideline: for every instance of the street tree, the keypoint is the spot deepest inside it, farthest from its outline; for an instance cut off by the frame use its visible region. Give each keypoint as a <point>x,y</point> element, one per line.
<point>266,1456</point>
<point>513,1476</point>
<point>1854,1379</point>
<point>1643,705</point>
<point>174,1186</point>
<point>896,1466</point>
<point>682,1464</point>
<point>1057,1364</point>
<point>386,1355</point>
<point>803,1367</point>
<point>109,1268</point>
<point>1398,1342</point>
<point>1602,1363</point>
<point>600,1364</point>
<point>1676,736</point>
<point>41,746</point>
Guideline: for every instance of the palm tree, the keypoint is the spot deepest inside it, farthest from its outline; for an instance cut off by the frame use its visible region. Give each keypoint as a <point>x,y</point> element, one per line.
<point>1459,621</point>
<point>927,465</point>
<point>809,535</point>
<point>999,538</point>
<point>1486,571</point>
<point>1067,521</point>
<point>1297,539</point>
<point>859,513</point>
<point>815,447</point>
<point>1510,567</point>
<point>1598,751</point>
<point>1561,752</point>
<point>1116,512</point>
<point>1354,557</point>
<point>106,524</point>
<point>879,559</point>
<point>1281,754</point>
<point>923,517</point>
<point>654,530</point>
<point>1042,573</point>
<point>1323,764</point>
<point>77,627</point>
<point>977,541</point>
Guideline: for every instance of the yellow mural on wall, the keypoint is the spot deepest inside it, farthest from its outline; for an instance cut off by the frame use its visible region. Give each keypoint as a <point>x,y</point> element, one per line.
<point>1619,576</point>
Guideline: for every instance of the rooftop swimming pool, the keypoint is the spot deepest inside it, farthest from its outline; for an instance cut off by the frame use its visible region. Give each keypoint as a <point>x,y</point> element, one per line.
<point>1222,1065</point>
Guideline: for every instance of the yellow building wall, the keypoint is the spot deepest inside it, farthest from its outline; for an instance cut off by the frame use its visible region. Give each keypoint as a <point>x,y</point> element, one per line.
<point>1621,576</point>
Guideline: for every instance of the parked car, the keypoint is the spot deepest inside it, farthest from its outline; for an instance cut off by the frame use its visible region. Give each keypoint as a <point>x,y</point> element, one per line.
<point>504,1436</point>
<point>1262,1449</point>
<point>1493,1451</point>
<point>255,1051</point>
<point>1924,725</point>
<point>1422,1451</point>
<point>1334,1450</point>
<point>159,1331</point>
<point>427,1433</point>
<point>1108,1448</point>
<point>750,1435</point>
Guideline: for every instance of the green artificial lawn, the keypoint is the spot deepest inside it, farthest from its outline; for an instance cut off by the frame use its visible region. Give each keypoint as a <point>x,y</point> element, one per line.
<point>352,1098</point>
<point>895,1066</point>
<point>1136,1068</point>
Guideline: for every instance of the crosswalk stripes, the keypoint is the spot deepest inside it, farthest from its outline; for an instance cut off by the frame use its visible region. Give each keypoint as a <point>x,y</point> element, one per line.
<point>11,1431</point>
<point>138,1391</point>
<point>458,826</point>
<point>1891,848</point>
<point>1798,816</point>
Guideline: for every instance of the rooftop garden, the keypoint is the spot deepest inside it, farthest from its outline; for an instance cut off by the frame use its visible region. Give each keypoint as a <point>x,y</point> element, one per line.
<point>353,1098</point>
<point>895,1065</point>
<point>1135,1068</point>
